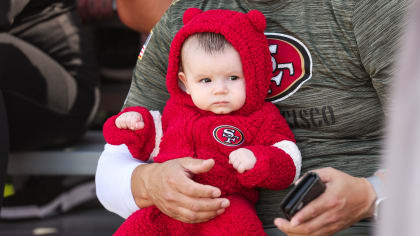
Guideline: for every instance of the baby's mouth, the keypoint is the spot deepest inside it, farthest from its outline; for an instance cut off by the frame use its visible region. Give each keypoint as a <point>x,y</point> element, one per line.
<point>221,103</point>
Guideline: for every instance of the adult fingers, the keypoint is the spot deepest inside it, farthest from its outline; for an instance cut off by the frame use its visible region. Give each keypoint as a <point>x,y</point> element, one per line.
<point>313,209</point>
<point>285,226</point>
<point>200,208</point>
<point>195,190</point>
<point>339,206</point>
<point>326,174</point>
<point>191,188</point>
<point>189,210</point>
<point>325,224</point>
<point>322,203</point>
<point>188,216</point>
<point>196,166</point>
<point>182,198</point>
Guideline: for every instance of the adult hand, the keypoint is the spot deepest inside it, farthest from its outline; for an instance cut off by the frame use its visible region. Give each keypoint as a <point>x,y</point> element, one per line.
<point>170,188</point>
<point>346,200</point>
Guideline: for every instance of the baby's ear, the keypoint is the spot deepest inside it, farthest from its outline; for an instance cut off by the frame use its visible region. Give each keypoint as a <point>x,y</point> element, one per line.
<point>182,79</point>
<point>190,13</point>
<point>257,19</point>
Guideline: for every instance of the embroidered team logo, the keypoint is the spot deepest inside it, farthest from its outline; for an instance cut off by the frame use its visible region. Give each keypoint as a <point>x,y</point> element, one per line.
<point>228,135</point>
<point>292,66</point>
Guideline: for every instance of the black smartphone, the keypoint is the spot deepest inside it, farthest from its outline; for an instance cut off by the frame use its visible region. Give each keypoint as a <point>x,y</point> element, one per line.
<point>309,188</point>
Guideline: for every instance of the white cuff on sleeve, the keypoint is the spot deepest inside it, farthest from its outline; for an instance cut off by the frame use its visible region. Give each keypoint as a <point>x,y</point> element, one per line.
<point>292,149</point>
<point>113,180</point>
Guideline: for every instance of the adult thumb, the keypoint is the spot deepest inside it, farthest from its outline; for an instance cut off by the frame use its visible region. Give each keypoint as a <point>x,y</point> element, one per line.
<point>197,166</point>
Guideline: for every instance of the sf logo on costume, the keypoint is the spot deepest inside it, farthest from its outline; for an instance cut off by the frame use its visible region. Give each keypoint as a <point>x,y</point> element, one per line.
<point>292,66</point>
<point>228,135</point>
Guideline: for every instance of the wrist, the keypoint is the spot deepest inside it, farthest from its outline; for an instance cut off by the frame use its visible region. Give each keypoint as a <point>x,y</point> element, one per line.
<point>138,185</point>
<point>378,187</point>
<point>370,199</point>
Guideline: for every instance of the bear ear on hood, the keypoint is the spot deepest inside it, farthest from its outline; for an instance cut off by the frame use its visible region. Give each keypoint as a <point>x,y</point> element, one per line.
<point>190,13</point>
<point>257,19</point>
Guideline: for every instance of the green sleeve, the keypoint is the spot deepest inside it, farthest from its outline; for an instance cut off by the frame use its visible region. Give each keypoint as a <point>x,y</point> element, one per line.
<point>378,28</point>
<point>148,88</point>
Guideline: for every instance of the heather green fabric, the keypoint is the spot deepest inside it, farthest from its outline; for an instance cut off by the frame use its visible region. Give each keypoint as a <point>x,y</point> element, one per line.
<point>337,115</point>
<point>359,229</point>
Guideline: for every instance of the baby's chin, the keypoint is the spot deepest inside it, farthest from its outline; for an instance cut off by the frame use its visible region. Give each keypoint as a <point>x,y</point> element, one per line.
<point>222,111</point>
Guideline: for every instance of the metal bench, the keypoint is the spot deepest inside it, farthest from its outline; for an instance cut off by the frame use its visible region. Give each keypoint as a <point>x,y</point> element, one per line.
<point>78,159</point>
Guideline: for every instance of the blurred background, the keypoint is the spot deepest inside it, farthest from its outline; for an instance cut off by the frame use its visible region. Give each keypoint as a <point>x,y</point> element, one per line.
<point>49,189</point>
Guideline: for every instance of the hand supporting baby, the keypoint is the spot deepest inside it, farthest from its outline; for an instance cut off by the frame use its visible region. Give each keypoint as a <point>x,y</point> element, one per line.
<point>242,159</point>
<point>130,120</point>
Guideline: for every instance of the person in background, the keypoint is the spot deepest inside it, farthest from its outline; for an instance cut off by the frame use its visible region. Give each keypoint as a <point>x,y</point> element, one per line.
<point>398,212</point>
<point>332,64</point>
<point>139,15</point>
<point>49,83</point>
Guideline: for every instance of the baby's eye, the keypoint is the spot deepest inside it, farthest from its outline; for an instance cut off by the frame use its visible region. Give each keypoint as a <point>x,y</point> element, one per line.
<point>233,77</point>
<point>205,80</point>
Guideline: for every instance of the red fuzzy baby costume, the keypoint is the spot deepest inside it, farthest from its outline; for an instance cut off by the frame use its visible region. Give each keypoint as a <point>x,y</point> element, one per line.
<point>191,132</point>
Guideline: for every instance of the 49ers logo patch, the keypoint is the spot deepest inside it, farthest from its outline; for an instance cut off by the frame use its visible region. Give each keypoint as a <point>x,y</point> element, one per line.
<point>292,65</point>
<point>228,135</point>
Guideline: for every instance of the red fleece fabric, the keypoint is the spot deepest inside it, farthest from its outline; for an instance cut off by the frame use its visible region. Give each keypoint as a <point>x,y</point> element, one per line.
<point>191,132</point>
<point>140,142</point>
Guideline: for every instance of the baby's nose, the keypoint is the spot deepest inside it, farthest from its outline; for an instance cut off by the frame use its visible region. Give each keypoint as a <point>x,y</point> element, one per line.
<point>220,88</point>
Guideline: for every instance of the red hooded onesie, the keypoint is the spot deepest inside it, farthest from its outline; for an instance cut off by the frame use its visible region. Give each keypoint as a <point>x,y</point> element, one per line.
<point>191,132</point>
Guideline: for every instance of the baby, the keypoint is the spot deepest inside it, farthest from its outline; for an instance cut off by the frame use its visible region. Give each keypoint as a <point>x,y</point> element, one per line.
<point>218,75</point>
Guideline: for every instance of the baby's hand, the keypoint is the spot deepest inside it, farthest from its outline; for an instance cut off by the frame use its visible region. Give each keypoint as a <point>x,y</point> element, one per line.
<point>130,120</point>
<point>242,159</point>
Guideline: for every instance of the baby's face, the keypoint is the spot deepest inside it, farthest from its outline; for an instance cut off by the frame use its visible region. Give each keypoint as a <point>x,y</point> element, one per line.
<point>215,81</point>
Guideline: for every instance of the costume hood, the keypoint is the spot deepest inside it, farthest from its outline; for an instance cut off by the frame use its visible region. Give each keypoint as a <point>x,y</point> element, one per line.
<point>245,31</point>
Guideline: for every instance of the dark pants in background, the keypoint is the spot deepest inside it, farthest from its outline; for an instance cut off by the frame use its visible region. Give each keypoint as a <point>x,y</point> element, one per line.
<point>48,76</point>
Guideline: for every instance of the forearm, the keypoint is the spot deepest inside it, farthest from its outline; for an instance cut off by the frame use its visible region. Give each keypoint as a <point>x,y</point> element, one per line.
<point>113,180</point>
<point>138,187</point>
<point>141,15</point>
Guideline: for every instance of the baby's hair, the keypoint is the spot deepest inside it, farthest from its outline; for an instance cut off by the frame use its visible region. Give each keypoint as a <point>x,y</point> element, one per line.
<point>211,42</point>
